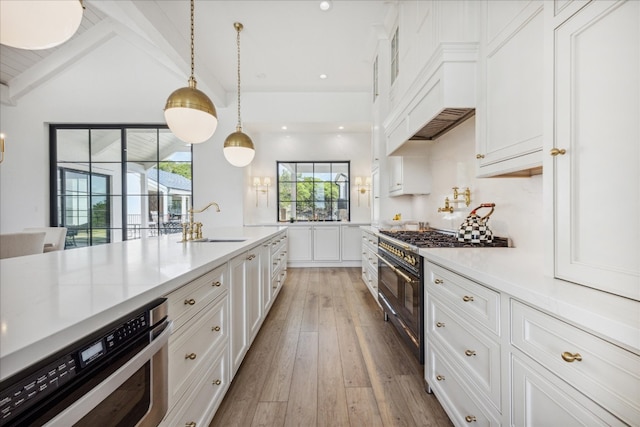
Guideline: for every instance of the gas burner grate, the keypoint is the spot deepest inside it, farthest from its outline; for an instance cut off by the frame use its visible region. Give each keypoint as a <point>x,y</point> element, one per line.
<point>437,239</point>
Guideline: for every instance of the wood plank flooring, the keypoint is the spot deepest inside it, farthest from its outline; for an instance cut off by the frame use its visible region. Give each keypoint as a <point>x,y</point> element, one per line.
<point>325,357</point>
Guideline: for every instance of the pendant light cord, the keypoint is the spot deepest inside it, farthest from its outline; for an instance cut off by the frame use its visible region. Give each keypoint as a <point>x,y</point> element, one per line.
<point>192,42</point>
<point>238,29</point>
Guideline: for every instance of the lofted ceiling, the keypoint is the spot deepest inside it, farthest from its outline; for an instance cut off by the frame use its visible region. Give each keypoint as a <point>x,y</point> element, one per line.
<point>285,45</point>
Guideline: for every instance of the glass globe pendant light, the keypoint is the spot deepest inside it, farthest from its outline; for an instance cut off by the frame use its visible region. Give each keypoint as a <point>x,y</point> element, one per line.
<point>41,24</point>
<point>238,147</point>
<point>189,113</point>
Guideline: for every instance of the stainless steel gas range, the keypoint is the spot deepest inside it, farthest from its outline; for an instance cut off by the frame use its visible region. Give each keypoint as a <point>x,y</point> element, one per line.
<point>401,281</point>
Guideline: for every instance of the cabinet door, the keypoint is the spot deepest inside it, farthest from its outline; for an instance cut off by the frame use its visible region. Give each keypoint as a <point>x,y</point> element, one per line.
<point>375,196</point>
<point>326,243</point>
<point>394,165</point>
<point>238,302</point>
<point>597,181</point>
<point>541,399</point>
<point>265,275</point>
<point>254,293</point>
<point>351,242</point>
<point>300,243</point>
<point>509,114</point>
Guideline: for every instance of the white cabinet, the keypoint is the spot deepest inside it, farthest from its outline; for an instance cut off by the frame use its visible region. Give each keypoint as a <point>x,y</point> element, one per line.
<point>255,306</point>
<point>279,258</point>
<point>300,243</point>
<point>326,243</point>
<point>350,242</point>
<point>593,128</point>
<point>369,249</point>
<point>239,341</point>
<point>509,113</point>
<point>408,175</point>
<point>375,196</point>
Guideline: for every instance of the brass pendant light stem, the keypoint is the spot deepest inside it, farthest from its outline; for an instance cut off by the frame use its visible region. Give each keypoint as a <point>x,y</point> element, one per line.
<point>192,43</point>
<point>238,26</point>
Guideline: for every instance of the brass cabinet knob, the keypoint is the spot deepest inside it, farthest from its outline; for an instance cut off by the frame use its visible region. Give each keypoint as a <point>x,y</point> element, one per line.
<point>438,281</point>
<point>190,356</point>
<point>470,353</point>
<point>191,424</point>
<point>555,151</point>
<point>440,377</point>
<point>216,328</point>
<point>571,357</point>
<point>217,382</point>
<point>467,298</point>
<point>469,418</point>
<point>216,283</point>
<point>479,156</point>
<point>440,325</point>
<point>190,301</point>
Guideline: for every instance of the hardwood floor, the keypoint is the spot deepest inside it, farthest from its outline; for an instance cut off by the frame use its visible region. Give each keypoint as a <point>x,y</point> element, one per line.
<point>325,357</point>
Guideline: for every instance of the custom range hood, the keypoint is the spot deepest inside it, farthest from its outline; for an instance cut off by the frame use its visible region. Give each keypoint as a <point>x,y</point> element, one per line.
<point>442,96</point>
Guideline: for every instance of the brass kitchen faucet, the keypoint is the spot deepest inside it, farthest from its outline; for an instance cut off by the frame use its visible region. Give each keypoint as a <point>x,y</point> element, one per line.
<point>193,230</point>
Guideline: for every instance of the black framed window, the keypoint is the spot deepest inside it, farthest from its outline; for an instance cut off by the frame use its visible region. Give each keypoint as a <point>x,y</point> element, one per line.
<point>313,191</point>
<point>118,182</point>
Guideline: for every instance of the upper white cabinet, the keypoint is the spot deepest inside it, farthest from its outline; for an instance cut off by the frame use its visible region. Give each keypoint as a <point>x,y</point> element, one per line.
<point>593,130</point>
<point>408,175</point>
<point>509,112</point>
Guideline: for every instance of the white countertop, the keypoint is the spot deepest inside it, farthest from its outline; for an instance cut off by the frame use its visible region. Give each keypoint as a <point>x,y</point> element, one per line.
<point>520,274</point>
<point>50,300</point>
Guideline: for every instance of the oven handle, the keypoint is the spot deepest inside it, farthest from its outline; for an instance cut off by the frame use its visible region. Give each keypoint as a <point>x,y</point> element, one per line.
<point>86,403</point>
<point>394,269</point>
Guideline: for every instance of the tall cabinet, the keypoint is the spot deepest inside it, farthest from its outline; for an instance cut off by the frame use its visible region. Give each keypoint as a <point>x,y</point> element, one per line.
<point>594,157</point>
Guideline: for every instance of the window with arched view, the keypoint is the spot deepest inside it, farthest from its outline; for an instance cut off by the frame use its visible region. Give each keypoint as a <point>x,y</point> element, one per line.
<point>313,191</point>
<point>118,182</point>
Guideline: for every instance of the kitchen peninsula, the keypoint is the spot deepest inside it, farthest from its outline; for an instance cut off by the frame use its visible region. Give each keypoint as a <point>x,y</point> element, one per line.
<point>48,301</point>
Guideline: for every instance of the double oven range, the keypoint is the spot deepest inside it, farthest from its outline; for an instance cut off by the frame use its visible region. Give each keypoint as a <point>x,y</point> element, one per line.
<point>401,279</point>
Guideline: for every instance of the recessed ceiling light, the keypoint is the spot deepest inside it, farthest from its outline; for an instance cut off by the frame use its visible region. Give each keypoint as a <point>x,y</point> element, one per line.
<point>283,128</point>
<point>325,5</point>
<point>340,127</point>
<point>323,76</point>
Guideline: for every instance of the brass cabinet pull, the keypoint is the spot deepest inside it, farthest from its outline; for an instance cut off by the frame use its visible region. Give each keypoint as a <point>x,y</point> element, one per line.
<point>440,377</point>
<point>469,418</point>
<point>217,382</point>
<point>570,357</point>
<point>191,424</point>
<point>440,325</point>
<point>216,283</point>
<point>467,298</point>
<point>190,356</point>
<point>479,156</point>
<point>250,257</point>
<point>555,151</point>
<point>216,328</point>
<point>190,301</point>
<point>470,353</point>
<point>438,281</point>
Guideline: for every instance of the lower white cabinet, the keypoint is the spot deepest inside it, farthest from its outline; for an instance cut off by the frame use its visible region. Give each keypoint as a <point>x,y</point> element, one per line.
<point>324,244</point>
<point>239,340</point>
<point>350,245</point>
<point>300,243</point>
<point>492,359</point>
<point>369,249</point>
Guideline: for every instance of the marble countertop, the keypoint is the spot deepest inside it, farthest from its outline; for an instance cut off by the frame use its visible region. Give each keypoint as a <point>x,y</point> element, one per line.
<point>520,274</point>
<point>50,300</point>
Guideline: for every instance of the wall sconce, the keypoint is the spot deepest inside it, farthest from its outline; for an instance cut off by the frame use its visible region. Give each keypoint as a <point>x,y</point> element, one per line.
<point>262,185</point>
<point>1,147</point>
<point>363,188</point>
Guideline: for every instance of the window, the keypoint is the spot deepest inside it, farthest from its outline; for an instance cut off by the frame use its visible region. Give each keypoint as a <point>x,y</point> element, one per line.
<point>313,191</point>
<point>118,182</point>
<point>395,56</point>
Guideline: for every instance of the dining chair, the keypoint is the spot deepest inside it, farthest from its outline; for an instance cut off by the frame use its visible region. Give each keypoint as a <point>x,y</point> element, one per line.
<point>19,244</point>
<point>54,239</point>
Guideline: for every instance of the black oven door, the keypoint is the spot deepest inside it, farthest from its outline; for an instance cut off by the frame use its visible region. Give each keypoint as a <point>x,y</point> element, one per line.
<point>399,292</point>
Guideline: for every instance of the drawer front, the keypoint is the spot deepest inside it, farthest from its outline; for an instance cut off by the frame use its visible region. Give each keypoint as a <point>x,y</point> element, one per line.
<point>475,351</point>
<point>204,397</point>
<point>185,302</point>
<point>606,373</point>
<point>476,303</point>
<point>542,399</point>
<point>278,242</point>
<point>462,407</point>
<point>193,347</point>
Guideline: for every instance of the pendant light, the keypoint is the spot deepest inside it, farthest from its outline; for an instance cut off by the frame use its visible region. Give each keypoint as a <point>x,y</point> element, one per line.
<point>39,24</point>
<point>189,113</point>
<point>238,147</point>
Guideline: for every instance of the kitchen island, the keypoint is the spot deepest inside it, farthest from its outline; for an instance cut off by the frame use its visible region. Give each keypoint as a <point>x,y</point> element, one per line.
<point>48,301</point>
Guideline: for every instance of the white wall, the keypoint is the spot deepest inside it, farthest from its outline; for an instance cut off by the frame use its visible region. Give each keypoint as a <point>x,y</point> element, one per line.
<point>519,208</point>
<point>272,147</point>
